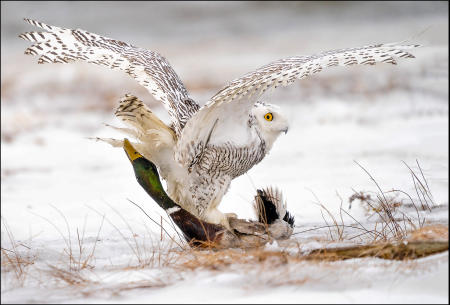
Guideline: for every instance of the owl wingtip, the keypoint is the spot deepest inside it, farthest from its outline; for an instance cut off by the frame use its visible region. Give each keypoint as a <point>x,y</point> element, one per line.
<point>28,20</point>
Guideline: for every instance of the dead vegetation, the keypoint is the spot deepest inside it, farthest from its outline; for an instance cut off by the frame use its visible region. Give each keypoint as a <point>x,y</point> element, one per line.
<point>264,258</point>
<point>76,268</point>
<point>393,235</point>
<point>221,260</point>
<point>392,216</point>
<point>432,232</point>
<point>68,277</point>
<point>78,256</point>
<point>14,260</point>
<point>393,223</point>
<point>391,251</point>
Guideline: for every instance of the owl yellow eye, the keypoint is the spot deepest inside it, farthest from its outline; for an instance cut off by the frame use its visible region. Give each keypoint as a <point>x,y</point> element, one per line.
<point>268,116</point>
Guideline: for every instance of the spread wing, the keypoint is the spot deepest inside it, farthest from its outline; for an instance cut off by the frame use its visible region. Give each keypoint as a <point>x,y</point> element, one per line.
<point>150,69</point>
<point>235,100</point>
<point>285,71</point>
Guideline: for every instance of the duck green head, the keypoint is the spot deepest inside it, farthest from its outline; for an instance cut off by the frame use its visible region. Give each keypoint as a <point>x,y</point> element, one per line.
<point>147,176</point>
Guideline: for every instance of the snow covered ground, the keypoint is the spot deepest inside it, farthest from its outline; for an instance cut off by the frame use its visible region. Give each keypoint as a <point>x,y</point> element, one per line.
<point>61,192</point>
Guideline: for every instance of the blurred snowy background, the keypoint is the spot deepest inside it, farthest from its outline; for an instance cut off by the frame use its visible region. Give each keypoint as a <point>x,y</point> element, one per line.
<point>377,115</point>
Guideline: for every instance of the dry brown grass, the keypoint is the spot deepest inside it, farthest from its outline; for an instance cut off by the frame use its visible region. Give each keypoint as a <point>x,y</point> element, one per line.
<point>69,277</point>
<point>13,260</point>
<point>263,259</point>
<point>81,284</point>
<point>393,224</point>
<point>79,257</point>
<point>386,240</point>
<point>149,253</point>
<point>391,227</point>
<point>77,268</point>
<point>223,259</point>
<point>429,233</point>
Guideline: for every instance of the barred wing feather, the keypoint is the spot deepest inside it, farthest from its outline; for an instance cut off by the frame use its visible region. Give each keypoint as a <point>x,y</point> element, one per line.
<point>285,71</point>
<point>150,69</point>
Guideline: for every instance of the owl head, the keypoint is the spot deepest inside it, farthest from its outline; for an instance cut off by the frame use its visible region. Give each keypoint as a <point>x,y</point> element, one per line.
<point>270,122</point>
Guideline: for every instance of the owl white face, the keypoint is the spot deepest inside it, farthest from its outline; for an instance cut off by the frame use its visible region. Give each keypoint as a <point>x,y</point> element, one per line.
<point>270,122</point>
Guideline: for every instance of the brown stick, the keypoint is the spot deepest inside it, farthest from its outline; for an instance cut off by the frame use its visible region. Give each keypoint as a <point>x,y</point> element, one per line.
<point>401,251</point>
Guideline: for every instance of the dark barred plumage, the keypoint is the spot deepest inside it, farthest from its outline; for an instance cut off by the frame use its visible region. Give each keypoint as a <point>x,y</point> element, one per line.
<point>149,68</point>
<point>229,160</point>
<point>218,165</point>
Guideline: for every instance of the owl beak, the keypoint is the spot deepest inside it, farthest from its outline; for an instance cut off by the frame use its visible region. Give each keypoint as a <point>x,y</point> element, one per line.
<point>285,130</point>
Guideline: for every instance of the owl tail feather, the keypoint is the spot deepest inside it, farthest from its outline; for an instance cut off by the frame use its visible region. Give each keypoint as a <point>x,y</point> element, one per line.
<point>152,136</point>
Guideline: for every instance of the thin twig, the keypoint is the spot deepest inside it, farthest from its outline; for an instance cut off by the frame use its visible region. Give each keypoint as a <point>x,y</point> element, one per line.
<point>153,221</point>
<point>423,176</point>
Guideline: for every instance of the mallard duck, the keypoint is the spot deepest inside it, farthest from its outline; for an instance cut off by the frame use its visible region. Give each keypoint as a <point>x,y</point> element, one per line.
<point>274,221</point>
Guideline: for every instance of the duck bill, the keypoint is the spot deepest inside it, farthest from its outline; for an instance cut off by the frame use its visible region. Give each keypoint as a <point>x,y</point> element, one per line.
<point>132,153</point>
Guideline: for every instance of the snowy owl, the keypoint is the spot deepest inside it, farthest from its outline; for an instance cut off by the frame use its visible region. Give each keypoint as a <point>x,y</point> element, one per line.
<point>204,148</point>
